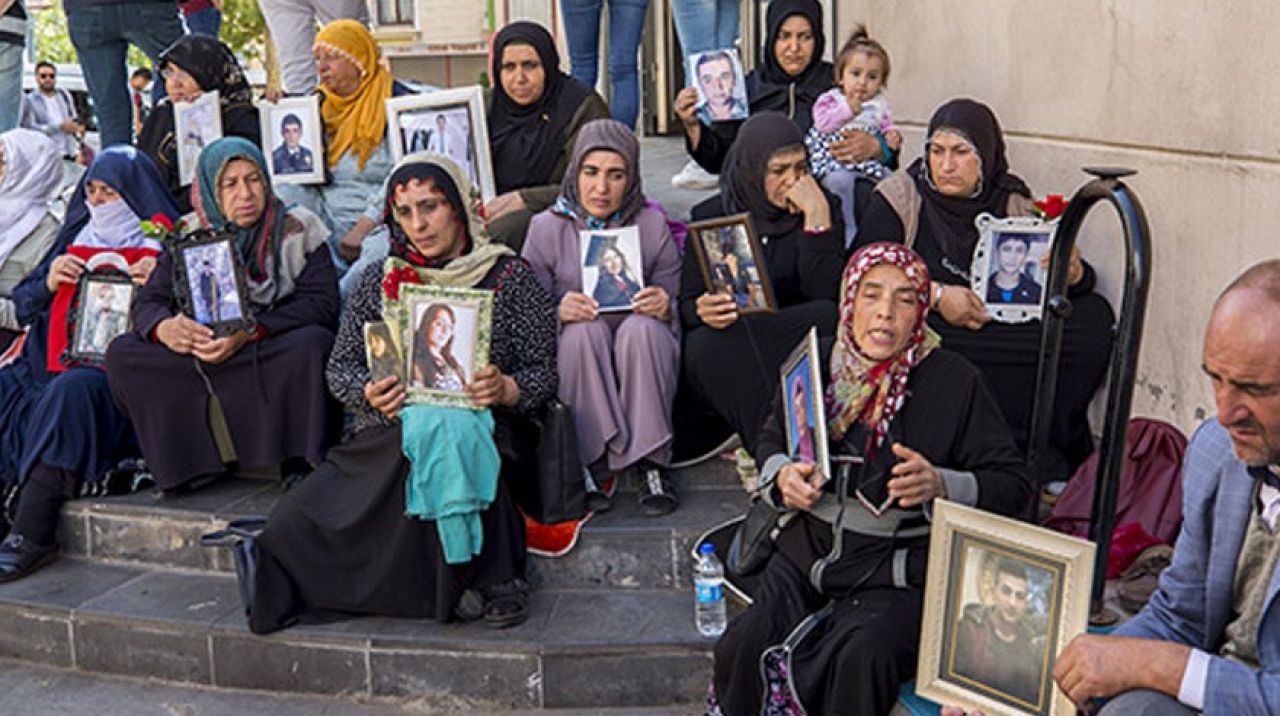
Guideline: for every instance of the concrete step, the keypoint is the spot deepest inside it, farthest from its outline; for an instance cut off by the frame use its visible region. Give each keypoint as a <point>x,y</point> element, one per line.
<point>579,649</point>
<point>620,548</point>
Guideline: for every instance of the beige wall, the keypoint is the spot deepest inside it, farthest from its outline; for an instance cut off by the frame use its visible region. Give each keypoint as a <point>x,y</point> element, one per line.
<point>1185,93</point>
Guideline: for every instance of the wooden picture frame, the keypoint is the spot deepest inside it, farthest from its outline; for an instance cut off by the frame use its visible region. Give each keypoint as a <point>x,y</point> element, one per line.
<point>466,350</point>
<point>100,312</point>
<point>732,261</point>
<point>1023,240</point>
<point>993,577</point>
<point>209,282</point>
<point>196,125</point>
<point>306,164</point>
<point>416,122</point>
<point>802,370</point>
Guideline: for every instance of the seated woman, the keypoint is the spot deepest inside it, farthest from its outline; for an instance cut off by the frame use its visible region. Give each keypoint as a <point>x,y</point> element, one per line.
<point>731,361</point>
<point>346,539</point>
<point>927,427</point>
<point>59,426</point>
<point>30,181</point>
<point>618,370</point>
<point>931,208</point>
<point>178,382</point>
<point>535,113</point>
<point>193,65</point>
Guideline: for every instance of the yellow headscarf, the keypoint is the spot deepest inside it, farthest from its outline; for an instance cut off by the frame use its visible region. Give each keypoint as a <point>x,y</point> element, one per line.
<point>358,122</point>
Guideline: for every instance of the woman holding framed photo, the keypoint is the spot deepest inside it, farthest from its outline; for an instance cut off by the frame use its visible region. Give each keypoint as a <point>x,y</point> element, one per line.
<point>618,371</point>
<point>193,65</point>
<point>922,425</point>
<point>59,426</point>
<point>354,521</point>
<point>263,387</point>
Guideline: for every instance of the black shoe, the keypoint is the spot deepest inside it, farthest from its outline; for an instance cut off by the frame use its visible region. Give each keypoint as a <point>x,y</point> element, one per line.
<point>20,557</point>
<point>657,496</point>
<point>599,493</point>
<point>506,604</point>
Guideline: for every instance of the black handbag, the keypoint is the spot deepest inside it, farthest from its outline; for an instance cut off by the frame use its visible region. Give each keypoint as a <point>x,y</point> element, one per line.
<point>753,542</point>
<point>550,487</point>
<point>240,536</point>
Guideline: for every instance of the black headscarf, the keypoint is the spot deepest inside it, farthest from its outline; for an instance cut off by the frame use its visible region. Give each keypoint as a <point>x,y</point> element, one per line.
<point>527,141</point>
<point>769,87</point>
<point>949,219</point>
<point>742,179</point>
<point>213,67</point>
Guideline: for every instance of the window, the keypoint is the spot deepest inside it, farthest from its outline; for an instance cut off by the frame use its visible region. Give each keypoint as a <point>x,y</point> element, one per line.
<point>395,12</point>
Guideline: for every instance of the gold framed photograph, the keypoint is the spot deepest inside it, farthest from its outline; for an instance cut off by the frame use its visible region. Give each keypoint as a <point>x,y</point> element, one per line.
<point>1003,599</point>
<point>732,262</point>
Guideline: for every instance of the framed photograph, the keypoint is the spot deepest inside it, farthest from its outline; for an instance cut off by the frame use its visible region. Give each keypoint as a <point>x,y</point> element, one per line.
<point>446,341</point>
<point>195,125</point>
<point>293,140</point>
<point>99,314</point>
<point>1006,272</point>
<point>449,122</point>
<point>803,406</point>
<point>722,88</point>
<point>1003,599</point>
<point>731,261</point>
<point>210,284</point>
<point>381,352</point>
<point>612,267</point>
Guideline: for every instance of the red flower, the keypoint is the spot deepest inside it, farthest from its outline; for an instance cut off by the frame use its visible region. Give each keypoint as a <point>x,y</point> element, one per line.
<point>1052,206</point>
<point>391,283</point>
<point>162,220</point>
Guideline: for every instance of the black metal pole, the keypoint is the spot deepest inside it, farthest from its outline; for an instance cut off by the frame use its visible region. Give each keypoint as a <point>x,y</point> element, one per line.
<point>1124,356</point>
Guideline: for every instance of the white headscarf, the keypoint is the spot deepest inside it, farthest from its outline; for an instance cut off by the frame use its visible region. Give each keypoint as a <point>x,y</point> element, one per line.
<point>31,181</point>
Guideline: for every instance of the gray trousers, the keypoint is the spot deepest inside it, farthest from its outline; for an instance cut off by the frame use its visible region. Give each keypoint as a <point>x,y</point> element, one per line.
<point>1143,702</point>
<point>293,27</point>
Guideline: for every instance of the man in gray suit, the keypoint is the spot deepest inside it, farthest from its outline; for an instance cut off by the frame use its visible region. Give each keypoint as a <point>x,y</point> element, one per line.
<point>1209,640</point>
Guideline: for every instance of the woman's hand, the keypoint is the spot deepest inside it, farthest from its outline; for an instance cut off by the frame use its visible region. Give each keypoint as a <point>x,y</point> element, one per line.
<point>653,301</point>
<point>504,204</point>
<point>64,269</point>
<point>687,111</point>
<point>915,480</point>
<point>218,350</point>
<point>349,247</point>
<point>1075,269</point>
<point>894,139</point>
<point>490,387</point>
<point>806,197</point>
<point>578,307</point>
<point>141,269</point>
<point>800,484</point>
<point>717,310</point>
<point>854,147</point>
<point>385,396</point>
<point>182,335</point>
<point>960,306</point>
<point>959,711</point>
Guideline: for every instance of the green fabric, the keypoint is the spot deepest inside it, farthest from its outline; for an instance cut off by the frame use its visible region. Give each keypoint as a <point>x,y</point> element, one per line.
<point>454,473</point>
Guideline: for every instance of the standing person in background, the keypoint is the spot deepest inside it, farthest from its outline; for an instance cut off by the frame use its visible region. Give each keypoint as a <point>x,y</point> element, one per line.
<point>101,31</point>
<point>702,26</point>
<point>139,97</point>
<point>13,37</point>
<point>203,17</point>
<point>582,34</point>
<point>48,109</point>
<point>292,24</point>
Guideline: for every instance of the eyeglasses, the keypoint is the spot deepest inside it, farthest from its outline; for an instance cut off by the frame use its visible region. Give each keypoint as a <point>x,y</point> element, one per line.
<point>45,76</point>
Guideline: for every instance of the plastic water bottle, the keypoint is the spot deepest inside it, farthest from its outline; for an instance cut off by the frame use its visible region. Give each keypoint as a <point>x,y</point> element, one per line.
<point>708,587</point>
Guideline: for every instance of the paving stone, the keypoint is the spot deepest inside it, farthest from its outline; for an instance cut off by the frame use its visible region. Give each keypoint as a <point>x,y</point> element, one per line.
<point>161,540</point>
<point>195,600</point>
<point>625,620</point>
<point>584,680</point>
<point>393,634</point>
<point>32,634</point>
<point>66,584</point>
<point>452,681</point>
<point>251,662</point>
<point>159,650</point>
<point>73,531</point>
<point>211,498</point>
<point>627,560</point>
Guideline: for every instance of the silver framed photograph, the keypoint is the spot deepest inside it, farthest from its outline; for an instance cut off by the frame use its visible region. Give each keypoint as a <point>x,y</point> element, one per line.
<point>446,341</point>
<point>1003,598</point>
<point>293,140</point>
<point>196,124</point>
<point>612,266</point>
<point>1006,273</point>
<point>803,409</point>
<point>721,85</point>
<point>99,314</point>
<point>449,122</point>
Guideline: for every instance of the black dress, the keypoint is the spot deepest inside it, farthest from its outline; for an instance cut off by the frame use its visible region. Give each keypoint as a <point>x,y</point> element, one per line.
<point>856,659</point>
<point>340,542</point>
<point>1009,353</point>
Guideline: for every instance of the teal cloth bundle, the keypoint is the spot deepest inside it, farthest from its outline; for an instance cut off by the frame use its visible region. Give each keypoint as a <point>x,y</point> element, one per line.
<point>453,473</point>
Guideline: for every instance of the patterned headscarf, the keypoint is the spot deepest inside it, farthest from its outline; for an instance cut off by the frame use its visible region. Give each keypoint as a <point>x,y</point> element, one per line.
<point>863,390</point>
<point>357,122</point>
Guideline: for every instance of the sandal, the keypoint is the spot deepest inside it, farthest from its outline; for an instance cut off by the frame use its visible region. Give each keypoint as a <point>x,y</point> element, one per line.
<point>657,496</point>
<point>506,604</point>
<point>599,494</point>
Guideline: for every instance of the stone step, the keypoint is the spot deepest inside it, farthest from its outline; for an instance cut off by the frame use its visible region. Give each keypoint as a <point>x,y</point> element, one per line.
<point>620,548</point>
<point>579,649</point>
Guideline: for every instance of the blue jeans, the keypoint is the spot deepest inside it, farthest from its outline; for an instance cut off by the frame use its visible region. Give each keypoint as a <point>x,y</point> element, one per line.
<point>205,22</point>
<point>704,25</point>
<point>10,85</point>
<point>582,31</point>
<point>101,35</point>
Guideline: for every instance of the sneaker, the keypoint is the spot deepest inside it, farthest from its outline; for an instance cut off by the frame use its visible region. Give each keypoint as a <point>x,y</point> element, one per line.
<point>599,493</point>
<point>693,176</point>
<point>657,496</point>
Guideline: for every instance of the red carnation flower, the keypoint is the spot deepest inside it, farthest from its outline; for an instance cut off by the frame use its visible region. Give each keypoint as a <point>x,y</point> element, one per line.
<point>1052,206</point>
<point>162,220</point>
<point>391,283</point>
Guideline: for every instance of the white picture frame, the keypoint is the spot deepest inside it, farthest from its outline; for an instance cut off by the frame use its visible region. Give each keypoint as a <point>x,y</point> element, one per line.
<point>617,249</point>
<point>305,162</point>
<point>1022,240</point>
<point>418,122</point>
<point>196,124</point>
